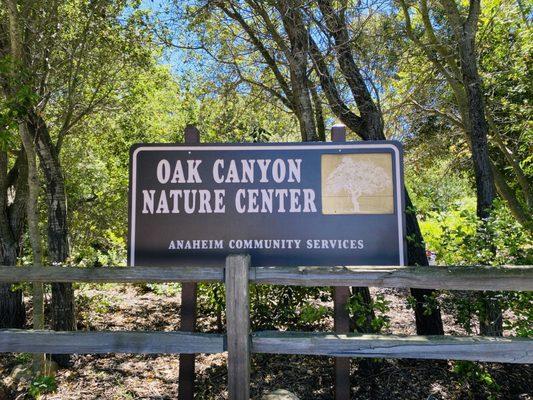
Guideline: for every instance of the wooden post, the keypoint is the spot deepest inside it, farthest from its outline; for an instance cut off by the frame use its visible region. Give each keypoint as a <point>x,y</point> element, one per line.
<point>238,326</point>
<point>341,318</point>
<point>188,309</point>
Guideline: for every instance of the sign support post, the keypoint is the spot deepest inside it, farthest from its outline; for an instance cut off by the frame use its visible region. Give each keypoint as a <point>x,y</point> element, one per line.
<point>341,318</point>
<point>188,309</point>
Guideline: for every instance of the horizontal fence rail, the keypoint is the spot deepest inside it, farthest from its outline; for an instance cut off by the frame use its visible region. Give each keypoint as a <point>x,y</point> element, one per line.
<point>111,274</point>
<point>450,278</point>
<point>508,350</point>
<point>29,341</point>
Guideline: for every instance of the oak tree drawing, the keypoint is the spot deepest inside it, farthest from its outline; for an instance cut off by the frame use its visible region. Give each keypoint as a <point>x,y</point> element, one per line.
<point>357,178</point>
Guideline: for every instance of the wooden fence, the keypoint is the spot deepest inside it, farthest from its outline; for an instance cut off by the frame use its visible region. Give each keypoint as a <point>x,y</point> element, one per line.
<point>237,274</point>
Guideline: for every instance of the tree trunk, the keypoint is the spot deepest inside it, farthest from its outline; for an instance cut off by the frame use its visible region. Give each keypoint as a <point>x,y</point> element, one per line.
<point>35,237</point>
<point>491,322</point>
<point>491,317</point>
<point>478,131</point>
<point>298,68</point>
<point>372,122</point>
<point>428,321</point>
<point>12,311</point>
<point>319,115</point>
<point>522,216</point>
<point>63,304</point>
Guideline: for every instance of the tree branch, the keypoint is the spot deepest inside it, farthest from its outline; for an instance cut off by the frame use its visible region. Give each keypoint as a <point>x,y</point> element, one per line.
<point>338,106</point>
<point>236,16</point>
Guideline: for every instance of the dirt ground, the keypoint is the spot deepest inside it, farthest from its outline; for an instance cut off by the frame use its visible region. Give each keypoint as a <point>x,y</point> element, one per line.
<point>129,376</point>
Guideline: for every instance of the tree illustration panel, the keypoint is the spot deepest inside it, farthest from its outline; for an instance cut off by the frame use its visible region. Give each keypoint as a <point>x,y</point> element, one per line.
<point>357,184</point>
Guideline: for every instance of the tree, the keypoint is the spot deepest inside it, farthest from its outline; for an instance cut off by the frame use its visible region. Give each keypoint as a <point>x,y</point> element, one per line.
<point>449,45</point>
<point>278,60</point>
<point>369,126</point>
<point>12,218</point>
<point>74,69</point>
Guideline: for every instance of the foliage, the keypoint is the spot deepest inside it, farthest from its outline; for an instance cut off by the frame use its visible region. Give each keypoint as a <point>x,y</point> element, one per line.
<point>89,305</point>
<point>272,307</point>
<point>458,240</point>
<point>23,358</point>
<point>213,302</point>
<point>505,60</point>
<point>14,103</point>
<point>290,307</point>
<point>163,289</point>
<point>278,307</point>
<point>452,230</point>
<point>41,385</point>
<point>360,310</point>
<point>312,314</point>
<point>477,377</point>
<point>427,100</point>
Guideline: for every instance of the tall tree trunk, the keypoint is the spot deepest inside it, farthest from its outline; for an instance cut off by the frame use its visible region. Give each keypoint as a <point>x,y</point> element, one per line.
<point>478,131</point>
<point>464,30</point>
<point>32,210</point>
<point>63,305</point>
<point>12,311</point>
<point>428,320</point>
<point>35,237</point>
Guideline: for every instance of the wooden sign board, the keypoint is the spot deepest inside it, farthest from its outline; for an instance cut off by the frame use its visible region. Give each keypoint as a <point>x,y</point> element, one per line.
<point>285,204</point>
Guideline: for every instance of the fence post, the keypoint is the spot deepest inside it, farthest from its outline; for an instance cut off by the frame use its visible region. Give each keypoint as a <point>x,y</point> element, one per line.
<point>188,309</point>
<point>341,318</point>
<point>238,326</point>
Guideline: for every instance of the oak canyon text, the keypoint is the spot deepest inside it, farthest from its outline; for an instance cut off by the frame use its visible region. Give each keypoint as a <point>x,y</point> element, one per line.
<point>277,199</point>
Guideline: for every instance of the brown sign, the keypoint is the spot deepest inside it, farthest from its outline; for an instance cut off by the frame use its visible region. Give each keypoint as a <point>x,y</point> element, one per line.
<point>285,204</point>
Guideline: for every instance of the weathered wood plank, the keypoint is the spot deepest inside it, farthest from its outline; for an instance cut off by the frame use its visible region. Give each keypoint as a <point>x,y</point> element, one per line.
<point>111,274</point>
<point>490,349</point>
<point>28,341</point>
<point>238,326</point>
<point>452,278</point>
